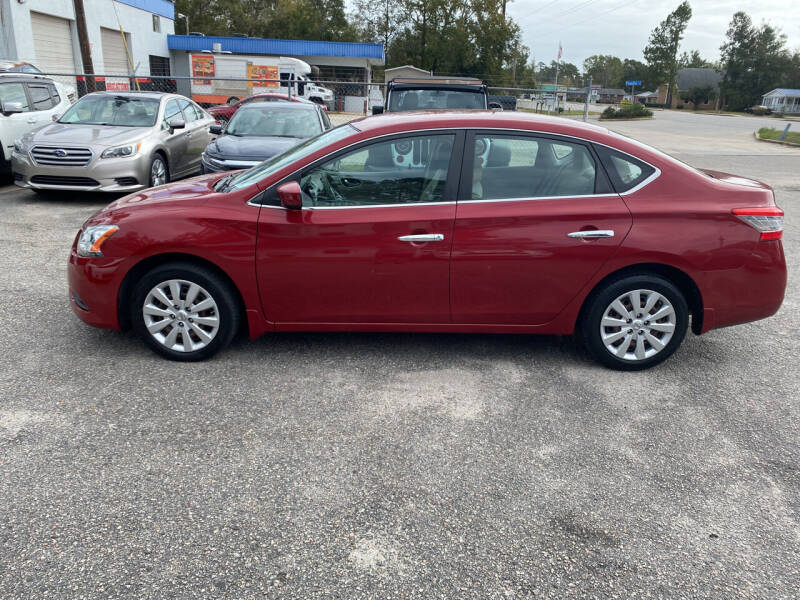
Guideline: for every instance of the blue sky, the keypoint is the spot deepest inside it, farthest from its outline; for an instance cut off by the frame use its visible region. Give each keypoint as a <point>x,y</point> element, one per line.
<point>622,27</point>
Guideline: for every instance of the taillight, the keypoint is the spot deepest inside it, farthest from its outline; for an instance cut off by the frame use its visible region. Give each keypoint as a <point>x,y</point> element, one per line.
<point>768,221</point>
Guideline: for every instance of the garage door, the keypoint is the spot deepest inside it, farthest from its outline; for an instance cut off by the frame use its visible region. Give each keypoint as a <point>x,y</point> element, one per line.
<point>52,40</point>
<point>115,59</point>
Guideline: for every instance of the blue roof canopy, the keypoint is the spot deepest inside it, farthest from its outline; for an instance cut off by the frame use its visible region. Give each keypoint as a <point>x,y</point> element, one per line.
<point>274,47</point>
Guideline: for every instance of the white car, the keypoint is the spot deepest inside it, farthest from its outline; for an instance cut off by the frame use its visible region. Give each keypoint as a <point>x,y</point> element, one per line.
<point>28,102</point>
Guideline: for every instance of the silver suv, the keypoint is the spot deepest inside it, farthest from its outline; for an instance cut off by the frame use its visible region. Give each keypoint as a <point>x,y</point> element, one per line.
<point>114,142</point>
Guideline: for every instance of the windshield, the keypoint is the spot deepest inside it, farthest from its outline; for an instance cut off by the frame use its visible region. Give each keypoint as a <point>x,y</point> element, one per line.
<point>119,111</point>
<point>401,100</point>
<point>279,161</point>
<point>275,120</point>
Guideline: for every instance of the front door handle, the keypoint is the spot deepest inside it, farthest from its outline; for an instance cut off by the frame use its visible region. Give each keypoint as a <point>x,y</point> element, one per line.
<point>422,237</point>
<point>592,233</point>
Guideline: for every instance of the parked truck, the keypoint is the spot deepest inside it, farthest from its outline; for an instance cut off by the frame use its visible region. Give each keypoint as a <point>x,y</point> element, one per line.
<point>222,78</point>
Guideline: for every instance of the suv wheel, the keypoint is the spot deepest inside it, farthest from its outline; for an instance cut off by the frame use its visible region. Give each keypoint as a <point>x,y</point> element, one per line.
<point>184,312</point>
<point>635,323</point>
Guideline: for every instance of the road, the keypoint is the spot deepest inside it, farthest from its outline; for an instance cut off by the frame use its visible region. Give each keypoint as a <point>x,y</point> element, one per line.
<point>427,466</point>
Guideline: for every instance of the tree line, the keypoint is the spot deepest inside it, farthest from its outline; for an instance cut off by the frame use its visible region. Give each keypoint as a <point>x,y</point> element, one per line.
<point>475,37</point>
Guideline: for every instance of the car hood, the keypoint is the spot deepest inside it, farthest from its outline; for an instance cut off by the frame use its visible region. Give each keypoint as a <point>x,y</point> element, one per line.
<point>172,195</point>
<point>72,134</point>
<point>250,147</point>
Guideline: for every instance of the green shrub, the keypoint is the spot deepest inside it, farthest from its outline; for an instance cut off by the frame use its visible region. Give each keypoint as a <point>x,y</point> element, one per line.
<point>679,107</point>
<point>631,111</point>
<point>761,111</point>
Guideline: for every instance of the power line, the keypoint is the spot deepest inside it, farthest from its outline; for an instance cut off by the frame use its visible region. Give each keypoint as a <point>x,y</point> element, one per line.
<point>571,25</point>
<point>566,12</point>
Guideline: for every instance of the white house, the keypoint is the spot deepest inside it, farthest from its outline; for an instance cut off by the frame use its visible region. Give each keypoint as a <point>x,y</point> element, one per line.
<point>782,100</point>
<point>44,33</point>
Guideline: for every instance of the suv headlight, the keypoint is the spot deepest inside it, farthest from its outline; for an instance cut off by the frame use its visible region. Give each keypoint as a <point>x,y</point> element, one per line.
<point>121,151</point>
<point>92,238</point>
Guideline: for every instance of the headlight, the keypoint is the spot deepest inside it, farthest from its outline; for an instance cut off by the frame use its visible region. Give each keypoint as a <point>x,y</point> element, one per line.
<point>121,151</point>
<point>19,146</point>
<point>92,238</point>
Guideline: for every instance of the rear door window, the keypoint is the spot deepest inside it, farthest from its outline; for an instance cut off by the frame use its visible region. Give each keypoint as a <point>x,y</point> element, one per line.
<point>625,171</point>
<point>40,97</point>
<point>526,166</point>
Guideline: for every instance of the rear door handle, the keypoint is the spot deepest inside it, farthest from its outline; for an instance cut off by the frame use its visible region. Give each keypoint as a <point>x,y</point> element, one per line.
<point>592,233</point>
<point>422,237</point>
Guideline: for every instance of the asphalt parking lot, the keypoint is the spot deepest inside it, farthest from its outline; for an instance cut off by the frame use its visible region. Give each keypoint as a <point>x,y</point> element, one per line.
<point>396,465</point>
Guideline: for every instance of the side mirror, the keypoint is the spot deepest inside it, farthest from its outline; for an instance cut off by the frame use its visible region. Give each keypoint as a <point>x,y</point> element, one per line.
<point>215,129</point>
<point>376,110</point>
<point>177,124</point>
<point>290,195</point>
<point>11,108</point>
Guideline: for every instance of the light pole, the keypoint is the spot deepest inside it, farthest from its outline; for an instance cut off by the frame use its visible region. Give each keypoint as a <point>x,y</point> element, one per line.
<point>183,16</point>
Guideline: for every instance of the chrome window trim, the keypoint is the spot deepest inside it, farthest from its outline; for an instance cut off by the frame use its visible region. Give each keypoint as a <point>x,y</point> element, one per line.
<point>656,173</point>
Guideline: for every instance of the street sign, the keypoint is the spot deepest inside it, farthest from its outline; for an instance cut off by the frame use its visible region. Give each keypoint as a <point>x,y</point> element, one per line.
<point>637,83</point>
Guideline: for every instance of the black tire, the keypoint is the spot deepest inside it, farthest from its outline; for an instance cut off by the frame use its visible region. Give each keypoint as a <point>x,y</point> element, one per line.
<point>158,157</point>
<point>232,100</point>
<point>590,326</point>
<point>228,310</point>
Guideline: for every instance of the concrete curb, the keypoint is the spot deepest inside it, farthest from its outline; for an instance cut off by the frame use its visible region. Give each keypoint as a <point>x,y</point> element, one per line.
<point>627,119</point>
<point>781,142</point>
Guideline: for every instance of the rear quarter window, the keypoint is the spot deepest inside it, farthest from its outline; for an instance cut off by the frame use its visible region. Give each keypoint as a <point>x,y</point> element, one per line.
<point>625,171</point>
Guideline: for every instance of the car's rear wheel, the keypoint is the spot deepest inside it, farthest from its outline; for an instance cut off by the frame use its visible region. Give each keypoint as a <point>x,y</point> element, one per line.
<point>185,312</point>
<point>159,172</point>
<point>232,100</point>
<point>635,322</point>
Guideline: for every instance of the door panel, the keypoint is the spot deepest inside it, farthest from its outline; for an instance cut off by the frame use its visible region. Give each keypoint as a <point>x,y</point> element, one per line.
<point>513,261</point>
<point>176,142</point>
<point>16,125</point>
<point>348,265</point>
<point>341,260</point>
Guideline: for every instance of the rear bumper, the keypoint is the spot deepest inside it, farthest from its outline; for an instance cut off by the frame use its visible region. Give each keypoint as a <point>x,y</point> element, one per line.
<point>121,175</point>
<point>752,292</point>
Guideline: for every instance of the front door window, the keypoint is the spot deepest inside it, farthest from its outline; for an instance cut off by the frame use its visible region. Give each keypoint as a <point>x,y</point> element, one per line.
<point>399,171</point>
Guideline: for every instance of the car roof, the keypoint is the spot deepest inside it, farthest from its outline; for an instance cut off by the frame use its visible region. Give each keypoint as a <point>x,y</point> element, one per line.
<point>278,106</point>
<point>134,94</point>
<point>490,119</point>
<point>6,76</point>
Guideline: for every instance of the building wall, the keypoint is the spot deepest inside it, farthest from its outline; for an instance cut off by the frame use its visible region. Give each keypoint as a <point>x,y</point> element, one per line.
<point>18,36</point>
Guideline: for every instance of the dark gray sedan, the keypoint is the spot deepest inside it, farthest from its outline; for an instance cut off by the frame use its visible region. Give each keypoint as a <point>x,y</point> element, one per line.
<point>259,131</point>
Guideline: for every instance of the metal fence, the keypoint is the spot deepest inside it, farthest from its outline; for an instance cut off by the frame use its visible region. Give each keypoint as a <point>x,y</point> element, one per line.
<point>343,99</point>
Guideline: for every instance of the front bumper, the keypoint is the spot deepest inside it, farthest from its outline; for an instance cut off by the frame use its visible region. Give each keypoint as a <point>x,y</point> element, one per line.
<point>218,165</point>
<point>122,175</point>
<point>94,289</point>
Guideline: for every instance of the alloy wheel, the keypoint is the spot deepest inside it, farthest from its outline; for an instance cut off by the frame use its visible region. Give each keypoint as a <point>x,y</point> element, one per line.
<point>181,315</point>
<point>158,172</point>
<point>638,325</point>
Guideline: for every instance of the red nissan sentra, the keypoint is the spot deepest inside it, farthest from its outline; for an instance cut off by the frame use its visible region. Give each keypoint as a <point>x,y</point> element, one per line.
<point>450,222</point>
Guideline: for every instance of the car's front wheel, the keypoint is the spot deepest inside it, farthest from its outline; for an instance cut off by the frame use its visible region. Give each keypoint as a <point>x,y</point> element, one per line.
<point>635,322</point>
<point>159,172</point>
<point>185,312</point>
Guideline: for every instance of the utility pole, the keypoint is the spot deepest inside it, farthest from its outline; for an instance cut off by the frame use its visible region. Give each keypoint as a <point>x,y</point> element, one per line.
<point>86,50</point>
<point>586,105</point>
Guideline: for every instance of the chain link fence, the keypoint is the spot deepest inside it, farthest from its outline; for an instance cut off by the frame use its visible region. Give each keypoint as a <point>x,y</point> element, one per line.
<point>344,100</point>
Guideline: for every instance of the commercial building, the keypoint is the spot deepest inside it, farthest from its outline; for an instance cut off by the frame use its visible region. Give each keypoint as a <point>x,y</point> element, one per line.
<point>44,33</point>
<point>332,61</point>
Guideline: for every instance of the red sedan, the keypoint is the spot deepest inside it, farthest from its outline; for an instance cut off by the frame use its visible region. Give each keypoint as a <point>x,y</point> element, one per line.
<point>451,222</point>
<point>224,112</point>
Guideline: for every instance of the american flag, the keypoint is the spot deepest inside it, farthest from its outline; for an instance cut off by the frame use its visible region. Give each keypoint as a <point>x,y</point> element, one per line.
<point>559,51</point>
